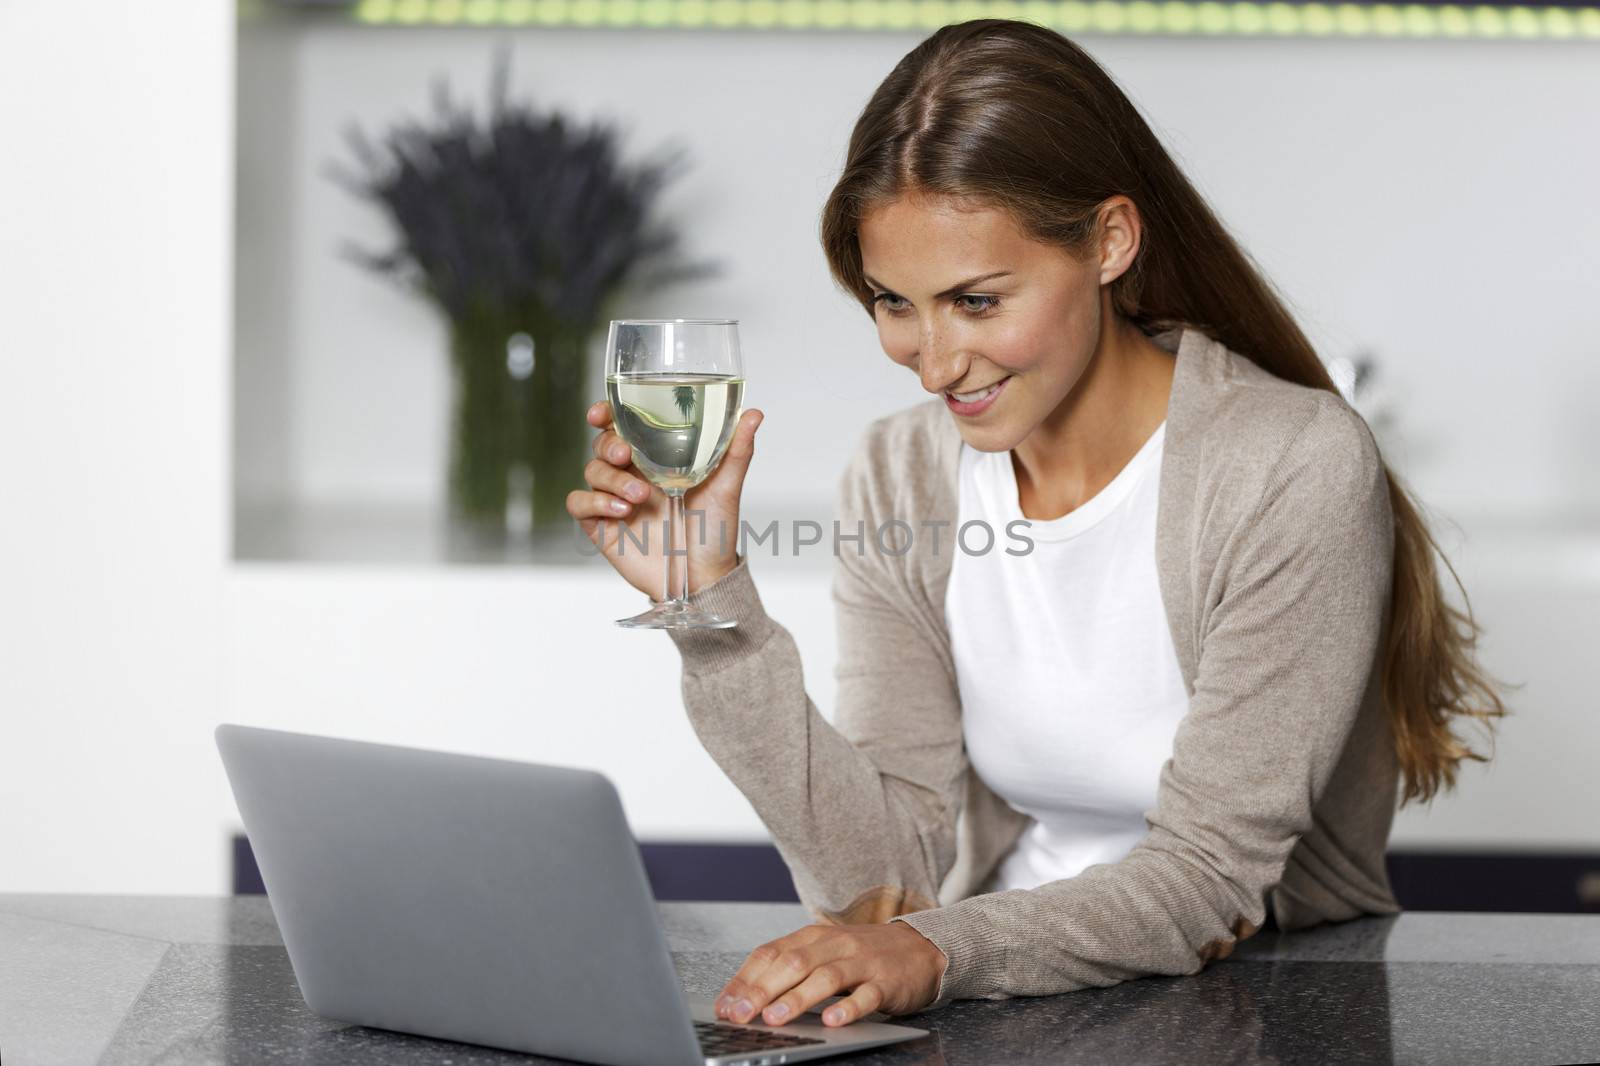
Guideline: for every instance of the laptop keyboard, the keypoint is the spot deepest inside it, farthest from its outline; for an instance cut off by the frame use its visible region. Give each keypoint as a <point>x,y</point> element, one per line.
<point>722,1038</point>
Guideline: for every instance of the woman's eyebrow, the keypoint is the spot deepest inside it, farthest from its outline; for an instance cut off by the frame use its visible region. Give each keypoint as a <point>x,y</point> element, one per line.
<point>952,290</point>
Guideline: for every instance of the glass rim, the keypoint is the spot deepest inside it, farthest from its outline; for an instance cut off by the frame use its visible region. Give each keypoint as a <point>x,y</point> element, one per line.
<point>674,321</point>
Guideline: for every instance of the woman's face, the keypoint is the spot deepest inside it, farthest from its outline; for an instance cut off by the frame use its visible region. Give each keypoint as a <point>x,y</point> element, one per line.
<point>966,300</point>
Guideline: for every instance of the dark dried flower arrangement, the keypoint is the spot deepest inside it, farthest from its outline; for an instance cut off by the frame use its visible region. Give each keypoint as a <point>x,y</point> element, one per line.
<point>527,225</point>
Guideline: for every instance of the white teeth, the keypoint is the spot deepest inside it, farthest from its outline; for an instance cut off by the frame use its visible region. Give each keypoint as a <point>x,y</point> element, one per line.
<point>974,397</point>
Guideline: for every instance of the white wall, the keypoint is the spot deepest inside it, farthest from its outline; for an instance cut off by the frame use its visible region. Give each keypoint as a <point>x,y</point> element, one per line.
<point>1432,200</point>
<point>115,255</point>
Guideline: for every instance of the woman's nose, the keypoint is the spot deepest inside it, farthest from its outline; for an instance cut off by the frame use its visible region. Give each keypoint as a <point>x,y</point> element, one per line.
<point>940,364</point>
<point>941,372</point>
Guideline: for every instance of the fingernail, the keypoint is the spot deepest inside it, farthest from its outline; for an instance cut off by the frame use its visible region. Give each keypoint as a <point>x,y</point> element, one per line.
<point>777,1012</point>
<point>742,1008</point>
<point>620,452</point>
<point>618,506</point>
<point>637,491</point>
<point>722,1003</point>
<point>833,1014</point>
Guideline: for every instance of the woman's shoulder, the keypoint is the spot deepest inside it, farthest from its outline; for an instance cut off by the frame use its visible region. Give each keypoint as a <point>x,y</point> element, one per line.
<point>1244,426</point>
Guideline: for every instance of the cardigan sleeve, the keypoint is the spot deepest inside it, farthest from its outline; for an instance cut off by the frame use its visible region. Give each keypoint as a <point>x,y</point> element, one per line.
<point>863,811</point>
<point>1284,665</point>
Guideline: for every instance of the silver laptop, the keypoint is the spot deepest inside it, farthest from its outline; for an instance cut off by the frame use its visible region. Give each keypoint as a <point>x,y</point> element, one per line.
<point>482,900</point>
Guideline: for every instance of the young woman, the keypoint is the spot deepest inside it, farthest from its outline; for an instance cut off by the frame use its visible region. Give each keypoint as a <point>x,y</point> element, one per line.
<point>1188,705</point>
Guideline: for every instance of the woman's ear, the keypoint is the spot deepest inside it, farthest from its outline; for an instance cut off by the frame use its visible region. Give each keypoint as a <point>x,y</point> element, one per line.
<point>1120,234</point>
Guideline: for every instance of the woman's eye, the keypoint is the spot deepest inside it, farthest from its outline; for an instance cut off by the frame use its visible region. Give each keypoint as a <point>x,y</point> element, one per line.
<point>968,302</point>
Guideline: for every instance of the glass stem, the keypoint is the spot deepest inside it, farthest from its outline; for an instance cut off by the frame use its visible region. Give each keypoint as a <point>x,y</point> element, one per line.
<point>677,522</point>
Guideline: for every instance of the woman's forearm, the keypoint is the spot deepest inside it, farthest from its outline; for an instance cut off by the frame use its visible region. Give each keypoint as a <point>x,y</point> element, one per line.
<point>864,838</point>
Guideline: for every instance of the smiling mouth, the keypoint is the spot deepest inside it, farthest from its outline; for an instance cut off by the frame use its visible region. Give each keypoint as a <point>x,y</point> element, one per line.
<point>974,397</point>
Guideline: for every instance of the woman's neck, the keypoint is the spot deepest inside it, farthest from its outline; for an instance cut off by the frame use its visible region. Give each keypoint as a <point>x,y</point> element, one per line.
<point>1104,421</point>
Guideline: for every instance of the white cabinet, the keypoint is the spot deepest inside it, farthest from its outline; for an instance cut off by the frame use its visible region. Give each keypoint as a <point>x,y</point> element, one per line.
<point>516,662</point>
<point>523,662</point>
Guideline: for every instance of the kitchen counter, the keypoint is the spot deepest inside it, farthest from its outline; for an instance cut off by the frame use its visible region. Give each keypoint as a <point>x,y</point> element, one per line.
<point>198,980</point>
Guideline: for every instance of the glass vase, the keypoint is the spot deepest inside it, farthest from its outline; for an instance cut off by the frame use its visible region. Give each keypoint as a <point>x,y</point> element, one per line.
<point>518,437</point>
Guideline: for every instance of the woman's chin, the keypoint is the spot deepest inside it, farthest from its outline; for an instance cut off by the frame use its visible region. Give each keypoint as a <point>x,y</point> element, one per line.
<point>986,438</point>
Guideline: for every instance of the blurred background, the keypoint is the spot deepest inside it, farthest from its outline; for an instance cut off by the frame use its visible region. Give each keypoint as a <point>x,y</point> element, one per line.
<point>227,447</point>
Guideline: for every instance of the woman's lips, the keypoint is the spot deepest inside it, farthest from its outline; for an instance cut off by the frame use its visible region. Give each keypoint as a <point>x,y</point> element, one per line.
<point>981,405</point>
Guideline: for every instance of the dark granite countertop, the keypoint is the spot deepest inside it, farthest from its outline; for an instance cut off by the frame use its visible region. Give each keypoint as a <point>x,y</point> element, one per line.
<point>189,980</point>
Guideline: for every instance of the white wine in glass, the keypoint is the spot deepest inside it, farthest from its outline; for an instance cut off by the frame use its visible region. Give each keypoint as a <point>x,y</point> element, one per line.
<point>679,425</point>
<point>675,387</point>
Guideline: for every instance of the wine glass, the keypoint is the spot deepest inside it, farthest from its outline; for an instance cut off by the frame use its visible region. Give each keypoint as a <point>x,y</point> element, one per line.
<point>675,385</point>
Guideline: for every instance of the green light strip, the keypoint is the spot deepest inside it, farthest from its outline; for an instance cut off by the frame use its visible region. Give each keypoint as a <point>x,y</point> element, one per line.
<point>1208,18</point>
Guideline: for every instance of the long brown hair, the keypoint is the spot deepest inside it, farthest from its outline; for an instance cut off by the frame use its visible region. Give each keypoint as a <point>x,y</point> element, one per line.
<point>1013,115</point>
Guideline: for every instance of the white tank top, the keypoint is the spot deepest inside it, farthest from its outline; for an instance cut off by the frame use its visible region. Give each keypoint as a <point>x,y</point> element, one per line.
<point>1070,688</point>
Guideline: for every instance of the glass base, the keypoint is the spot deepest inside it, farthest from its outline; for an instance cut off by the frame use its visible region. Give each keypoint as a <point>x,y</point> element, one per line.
<point>666,616</point>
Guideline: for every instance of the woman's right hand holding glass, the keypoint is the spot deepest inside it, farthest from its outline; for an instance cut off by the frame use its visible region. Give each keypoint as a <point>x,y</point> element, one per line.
<point>619,497</point>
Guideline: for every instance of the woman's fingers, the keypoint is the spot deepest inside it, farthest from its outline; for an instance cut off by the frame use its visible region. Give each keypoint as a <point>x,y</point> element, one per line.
<point>612,449</point>
<point>615,492</point>
<point>588,506</point>
<point>778,966</point>
<point>857,1005</point>
<point>742,987</point>
<point>735,1001</point>
<point>604,475</point>
<point>828,979</point>
<point>607,478</point>
<point>608,445</point>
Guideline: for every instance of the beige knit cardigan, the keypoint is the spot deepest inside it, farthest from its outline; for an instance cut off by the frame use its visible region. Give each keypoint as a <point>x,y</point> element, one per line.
<point>1274,545</point>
